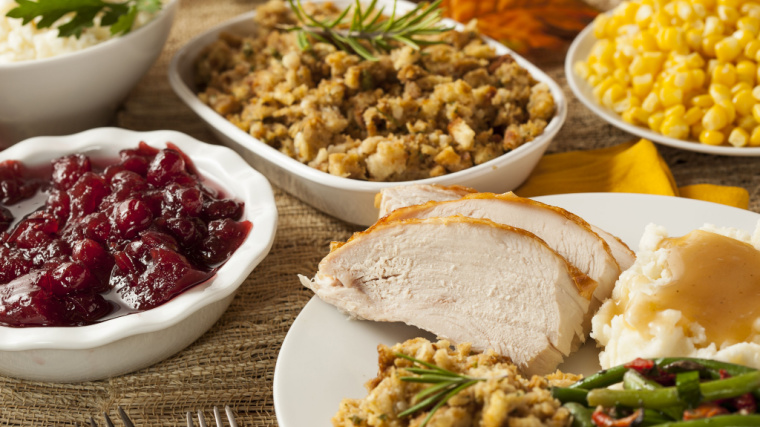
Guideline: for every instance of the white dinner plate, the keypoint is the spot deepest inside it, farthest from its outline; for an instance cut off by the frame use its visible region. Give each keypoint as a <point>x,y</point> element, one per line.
<point>326,357</point>
<point>579,51</point>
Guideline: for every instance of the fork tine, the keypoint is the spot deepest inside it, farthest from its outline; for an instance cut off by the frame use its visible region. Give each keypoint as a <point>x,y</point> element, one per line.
<point>218,417</point>
<point>93,423</point>
<point>109,423</point>
<point>189,419</point>
<point>124,418</point>
<point>201,419</point>
<point>230,416</point>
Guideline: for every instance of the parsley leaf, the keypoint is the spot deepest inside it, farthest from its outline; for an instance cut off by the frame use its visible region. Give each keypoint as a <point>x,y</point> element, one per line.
<point>118,16</point>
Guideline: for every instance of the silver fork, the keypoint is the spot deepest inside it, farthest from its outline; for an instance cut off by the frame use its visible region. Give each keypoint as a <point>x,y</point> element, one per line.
<point>217,418</point>
<point>201,419</point>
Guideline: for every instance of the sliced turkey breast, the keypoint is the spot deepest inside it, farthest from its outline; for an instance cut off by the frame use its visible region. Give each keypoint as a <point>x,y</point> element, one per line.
<point>408,195</point>
<point>465,279</point>
<point>392,198</point>
<point>566,233</point>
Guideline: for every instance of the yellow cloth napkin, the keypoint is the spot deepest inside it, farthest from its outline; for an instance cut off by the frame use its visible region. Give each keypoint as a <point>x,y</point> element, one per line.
<point>632,167</point>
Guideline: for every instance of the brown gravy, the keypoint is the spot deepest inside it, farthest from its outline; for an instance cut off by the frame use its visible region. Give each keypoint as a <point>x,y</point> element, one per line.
<point>716,283</point>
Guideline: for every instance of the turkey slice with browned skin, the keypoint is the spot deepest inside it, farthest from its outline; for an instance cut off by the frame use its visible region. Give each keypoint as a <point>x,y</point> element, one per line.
<point>409,195</point>
<point>565,232</point>
<point>465,279</point>
<point>392,198</point>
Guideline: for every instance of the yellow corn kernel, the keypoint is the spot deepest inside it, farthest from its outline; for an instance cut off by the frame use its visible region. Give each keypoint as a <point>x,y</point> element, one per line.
<point>621,76</point>
<point>756,92</point>
<point>644,41</point>
<point>729,3</point>
<point>702,101</point>
<point>670,38</point>
<point>743,37</point>
<point>602,87</point>
<point>671,96</point>
<point>647,63</point>
<point>749,23</point>
<point>740,87</point>
<point>594,80</point>
<point>724,73</point>
<point>693,115</point>
<point>582,70</point>
<point>655,120</point>
<point>743,102</point>
<point>676,111</point>
<point>756,112</point>
<point>738,137</point>
<point>674,127</point>
<point>728,14</point>
<point>651,103</point>
<point>695,60</point>
<point>713,27</point>
<point>746,71</point>
<point>727,49</point>
<point>641,85</point>
<point>628,12</point>
<point>729,108</point>
<point>708,44</point>
<point>751,49</point>
<point>711,137</point>
<point>747,123</point>
<point>751,9</point>
<point>754,139</point>
<point>719,92</point>
<point>715,118</point>
<point>643,16</point>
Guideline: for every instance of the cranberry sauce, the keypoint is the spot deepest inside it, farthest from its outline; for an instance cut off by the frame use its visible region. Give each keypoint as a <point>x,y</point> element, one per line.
<point>98,242</point>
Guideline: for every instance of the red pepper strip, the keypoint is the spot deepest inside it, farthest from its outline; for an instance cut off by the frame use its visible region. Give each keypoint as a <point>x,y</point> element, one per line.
<point>602,419</point>
<point>705,410</point>
<point>640,365</point>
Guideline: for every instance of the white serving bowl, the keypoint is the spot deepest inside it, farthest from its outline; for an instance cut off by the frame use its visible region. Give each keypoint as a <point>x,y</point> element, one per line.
<point>134,341</point>
<point>348,199</point>
<point>79,90</point>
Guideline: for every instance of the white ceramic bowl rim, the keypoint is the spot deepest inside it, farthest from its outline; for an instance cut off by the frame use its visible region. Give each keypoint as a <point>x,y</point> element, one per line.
<point>250,186</point>
<point>91,50</point>
<point>313,174</point>
<point>581,90</point>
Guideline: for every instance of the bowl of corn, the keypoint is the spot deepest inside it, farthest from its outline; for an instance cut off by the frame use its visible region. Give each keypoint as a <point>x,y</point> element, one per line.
<point>682,73</point>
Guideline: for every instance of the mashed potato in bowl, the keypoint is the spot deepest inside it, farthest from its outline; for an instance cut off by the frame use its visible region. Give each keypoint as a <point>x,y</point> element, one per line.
<point>697,295</point>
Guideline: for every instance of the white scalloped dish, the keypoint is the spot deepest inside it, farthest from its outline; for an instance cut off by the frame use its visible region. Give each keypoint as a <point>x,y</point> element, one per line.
<point>134,341</point>
<point>349,199</point>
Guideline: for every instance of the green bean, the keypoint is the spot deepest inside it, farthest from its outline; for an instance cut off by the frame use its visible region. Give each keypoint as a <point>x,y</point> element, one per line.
<point>713,365</point>
<point>654,418</point>
<point>668,396</point>
<point>718,421</point>
<point>603,378</point>
<point>632,380</point>
<point>566,394</point>
<point>581,414</point>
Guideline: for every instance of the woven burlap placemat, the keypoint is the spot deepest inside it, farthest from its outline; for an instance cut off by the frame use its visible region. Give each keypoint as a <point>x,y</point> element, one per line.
<point>233,364</point>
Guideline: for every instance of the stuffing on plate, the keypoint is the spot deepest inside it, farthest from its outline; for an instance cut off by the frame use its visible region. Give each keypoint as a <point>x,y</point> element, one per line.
<point>502,398</point>
<point>409,115</point>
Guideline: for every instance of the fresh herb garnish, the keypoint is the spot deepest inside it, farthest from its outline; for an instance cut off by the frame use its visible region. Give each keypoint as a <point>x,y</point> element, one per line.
<point>446,385</point>
<point>368,30</point>
<point>118,16</point>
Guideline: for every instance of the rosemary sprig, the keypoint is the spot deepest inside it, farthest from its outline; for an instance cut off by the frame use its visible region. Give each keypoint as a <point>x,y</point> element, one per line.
<point>446,385</point>
<point>368,30</point>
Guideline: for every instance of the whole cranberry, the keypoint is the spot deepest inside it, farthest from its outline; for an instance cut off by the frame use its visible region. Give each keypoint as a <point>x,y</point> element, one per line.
<point>93,256</point>
<point>36,230</point>
<point>94,226</point>
<point>182,201</point>
<point>59,205</point>
<point>224,236</point>
<point>137,164</point>
<point>221,209</point>
<point>87,193</point>
<point>166,165</point>
<point>24,303</point>
<point>131,217</point>
<point>188,231</point>
<point>73,277</point>
<point>67,170</point>
<point>13,264</point>
<point>84,309</point>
